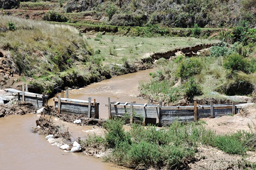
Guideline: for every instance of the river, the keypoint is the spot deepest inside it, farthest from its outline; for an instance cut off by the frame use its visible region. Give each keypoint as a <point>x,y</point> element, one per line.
<point>121,88</point>
<point>22,149</point>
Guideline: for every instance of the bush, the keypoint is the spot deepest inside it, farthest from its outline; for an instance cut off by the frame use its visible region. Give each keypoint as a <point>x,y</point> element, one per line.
<point>220,50</point>
<point>192,89</point>
<point>111,10</point>
<point>230,144</point>
<point>54,16</point>
<point>189,67</point>
<point>236,62</point>
<point>116,134</point>
<point>12,27</point>
<point>196,31</point>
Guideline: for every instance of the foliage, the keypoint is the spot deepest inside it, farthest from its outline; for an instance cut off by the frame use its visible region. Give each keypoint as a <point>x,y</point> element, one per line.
<point>189,67</point>
<point>12,26</point>
<point>236,62</point>
<point>111,10</point>
<point>196,31</point>
<point>54,16</point>
<point>116,134</point>
<point>171,147</point>
<point>220,49</point>
<point>192,89</point>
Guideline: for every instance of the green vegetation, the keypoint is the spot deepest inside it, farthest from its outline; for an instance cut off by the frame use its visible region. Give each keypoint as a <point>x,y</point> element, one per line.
<point>171,147</point>
<point>12,27</point>
<point>181,13</point>
<point>228,69</point>
<point>116,49</point>
<point>54,16</point>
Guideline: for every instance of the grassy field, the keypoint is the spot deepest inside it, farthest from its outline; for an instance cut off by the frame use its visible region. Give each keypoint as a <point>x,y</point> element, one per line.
<point>117,49</point>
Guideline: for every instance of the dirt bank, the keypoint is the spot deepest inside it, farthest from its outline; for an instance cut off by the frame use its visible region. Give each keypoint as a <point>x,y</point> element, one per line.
<point>18,108</point>
<point>69,138</point>
<point>245,120</point>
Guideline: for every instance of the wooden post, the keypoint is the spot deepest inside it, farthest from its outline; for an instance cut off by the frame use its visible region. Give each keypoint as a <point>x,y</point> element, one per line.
<point>131,116</point>
<point>95,108</point>
<point>212,111</point>
<point>89,107</point>
<point>23,94</point>
<point>109,108</point>
<point>62,94</point>
<point>233,108</point>
<point>43,100</point>
<point>18,96</point>
<point>67,93</point>
<point>26,87</point>
<point>59,105</point>
<point>195,111</point>
<point>125,109</point>
<point>158,114</point>
<point>37,102</point>
<point>145,115</point>
<point>116,110</point>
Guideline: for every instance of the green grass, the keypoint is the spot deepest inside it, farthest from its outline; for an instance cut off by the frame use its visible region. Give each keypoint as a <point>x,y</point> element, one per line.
<point>135,48</point>
<point>171,147</point>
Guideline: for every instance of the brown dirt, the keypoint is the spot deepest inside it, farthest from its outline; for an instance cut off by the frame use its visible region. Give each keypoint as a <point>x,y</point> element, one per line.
<point>213,159</point>
<point>19,108</point>
<point>231,124</point>
<point>45,126</point>
<point>69,117</point>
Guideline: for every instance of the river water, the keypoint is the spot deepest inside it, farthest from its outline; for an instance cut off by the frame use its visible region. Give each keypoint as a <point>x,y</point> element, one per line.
<point>22,149</point>
<point>121,88</point>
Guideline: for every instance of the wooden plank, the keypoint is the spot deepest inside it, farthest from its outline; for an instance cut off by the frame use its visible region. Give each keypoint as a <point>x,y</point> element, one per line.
<point>177,108</point>
<point>89,107</point>
<point>109,108</point>
<point>195,111</point>
<point>212,111</point>
<point>131,116</point>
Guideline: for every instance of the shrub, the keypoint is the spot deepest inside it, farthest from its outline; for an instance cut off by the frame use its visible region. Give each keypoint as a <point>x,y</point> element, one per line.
<point>189,67</point>
<point>111,10</point>
<point>196,31</point>
<point>54,16</point>
<point>192,89</point>
<point>236,62</point>
<point>230,144</point>
<point>12,27</point>
<point>220,49</point>
<point>97,51</point>
<point>116,134</point>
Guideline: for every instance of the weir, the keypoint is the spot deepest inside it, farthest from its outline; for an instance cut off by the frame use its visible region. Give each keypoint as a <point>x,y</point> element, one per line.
<point>144,113</point>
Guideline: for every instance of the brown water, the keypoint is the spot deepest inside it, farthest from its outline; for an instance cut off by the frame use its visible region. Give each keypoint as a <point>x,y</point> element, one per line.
<point>121,88</point>
<point>22,149</point>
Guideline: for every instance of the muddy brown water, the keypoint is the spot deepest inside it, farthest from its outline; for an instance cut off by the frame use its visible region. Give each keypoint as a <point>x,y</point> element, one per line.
<point>121,88</point>
<point>22,149</point>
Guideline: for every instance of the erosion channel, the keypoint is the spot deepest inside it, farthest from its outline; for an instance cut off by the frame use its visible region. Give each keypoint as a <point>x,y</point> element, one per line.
<point>22,149</point>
